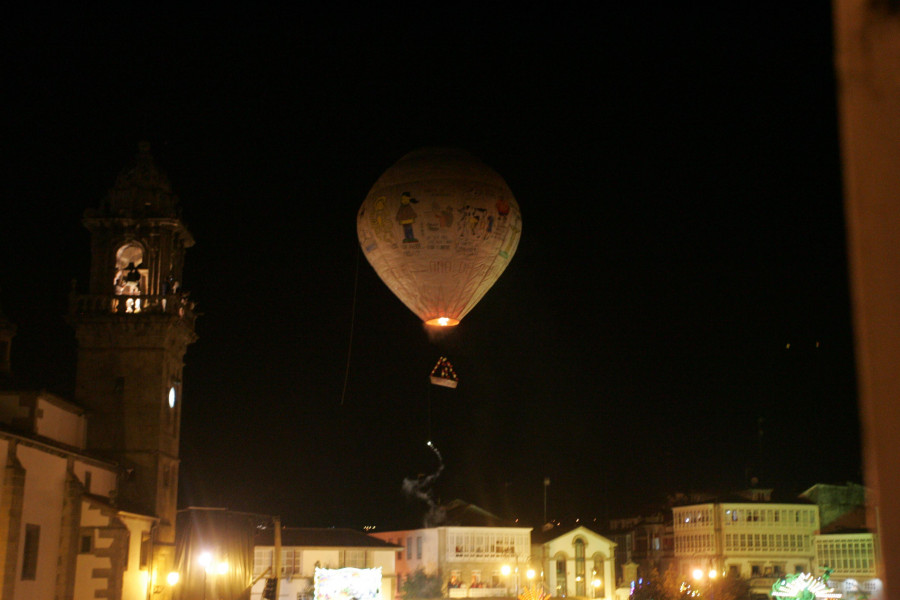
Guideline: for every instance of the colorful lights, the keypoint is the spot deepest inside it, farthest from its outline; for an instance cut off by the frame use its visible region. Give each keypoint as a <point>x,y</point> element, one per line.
<point>803,586</point>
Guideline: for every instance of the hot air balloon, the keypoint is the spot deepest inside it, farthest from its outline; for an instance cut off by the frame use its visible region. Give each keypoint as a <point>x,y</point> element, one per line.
<point>439,227</point>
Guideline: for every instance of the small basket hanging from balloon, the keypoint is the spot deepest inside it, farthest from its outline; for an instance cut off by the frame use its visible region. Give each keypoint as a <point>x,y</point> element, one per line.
<point>443,374</point>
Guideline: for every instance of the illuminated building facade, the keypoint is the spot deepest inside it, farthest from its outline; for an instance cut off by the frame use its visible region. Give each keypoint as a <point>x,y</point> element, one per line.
<point>845,544</point>
<point>475,552</point>
<point>305,549</point>
<point>760,541</point>
<point>851,556</point>
<point>647,541</point>
<point>577,562</point>
<point>63,535</point>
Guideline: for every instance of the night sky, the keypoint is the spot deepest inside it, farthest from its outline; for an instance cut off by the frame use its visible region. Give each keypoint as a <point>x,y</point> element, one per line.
<point>681,272</point>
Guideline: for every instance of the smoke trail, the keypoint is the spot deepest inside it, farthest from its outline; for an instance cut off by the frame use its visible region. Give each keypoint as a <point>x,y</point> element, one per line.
<point>421,488</point>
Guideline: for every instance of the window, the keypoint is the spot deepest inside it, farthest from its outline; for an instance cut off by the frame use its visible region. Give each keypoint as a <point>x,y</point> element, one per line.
<point>87,482</point>
<point>262,560</point>
<point>579,568</point>
<point>561,585</point>
<point>419,547</point>
<point>30,551</point>
<point>290,562</point>
<point>355,559</point>
<point>409,548</point>
<point>87,544</point>
<point>455,580</point>
<point>130,271</point>
<point>598,572</point>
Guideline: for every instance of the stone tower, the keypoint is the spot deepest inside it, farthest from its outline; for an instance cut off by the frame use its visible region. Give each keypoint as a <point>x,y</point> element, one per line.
<point>133,328</point>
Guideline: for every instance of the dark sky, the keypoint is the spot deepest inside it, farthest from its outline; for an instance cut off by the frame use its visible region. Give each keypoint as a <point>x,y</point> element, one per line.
<point>679,178</point>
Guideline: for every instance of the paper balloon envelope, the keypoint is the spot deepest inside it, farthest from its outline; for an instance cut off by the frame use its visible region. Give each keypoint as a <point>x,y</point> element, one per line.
<point>439,227</point>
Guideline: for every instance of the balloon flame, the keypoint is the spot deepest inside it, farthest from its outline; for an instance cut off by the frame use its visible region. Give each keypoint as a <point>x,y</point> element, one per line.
<point>442,322</point>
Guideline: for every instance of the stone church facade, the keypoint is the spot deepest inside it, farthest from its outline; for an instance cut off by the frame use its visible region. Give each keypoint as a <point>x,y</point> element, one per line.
<point>89,489</point>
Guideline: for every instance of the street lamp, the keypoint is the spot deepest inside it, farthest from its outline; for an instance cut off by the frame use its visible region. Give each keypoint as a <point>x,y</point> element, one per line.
<point>205,560</point>
<point>217,568</point>
<point>506,570</point>
<point>597,582</point>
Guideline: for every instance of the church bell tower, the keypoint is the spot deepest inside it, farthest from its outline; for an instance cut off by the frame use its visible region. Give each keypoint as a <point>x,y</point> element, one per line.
<point>133,328</point>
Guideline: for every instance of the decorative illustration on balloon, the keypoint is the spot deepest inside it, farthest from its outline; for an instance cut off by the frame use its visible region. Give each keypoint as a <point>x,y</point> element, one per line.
<point>381,224</point>
<point>439,260</point>
<point>406,216</point>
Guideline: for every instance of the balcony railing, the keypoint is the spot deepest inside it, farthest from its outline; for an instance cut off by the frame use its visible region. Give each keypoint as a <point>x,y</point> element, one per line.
<point>98,304</point>
<point>470,592</point>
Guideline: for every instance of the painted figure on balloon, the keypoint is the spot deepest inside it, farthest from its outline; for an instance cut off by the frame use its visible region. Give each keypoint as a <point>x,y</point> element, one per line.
<point>442,217</point>
<point>383,228</point>
<point>406,216</point>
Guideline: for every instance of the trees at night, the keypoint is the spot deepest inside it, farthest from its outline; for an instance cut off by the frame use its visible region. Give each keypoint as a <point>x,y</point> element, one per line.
<point>421,585</point>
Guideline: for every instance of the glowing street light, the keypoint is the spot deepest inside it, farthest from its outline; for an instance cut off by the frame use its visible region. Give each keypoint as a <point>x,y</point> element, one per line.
<point>698,574</point>
<point>211,567</point>
<point>173,578</point>
<point>529,574</point>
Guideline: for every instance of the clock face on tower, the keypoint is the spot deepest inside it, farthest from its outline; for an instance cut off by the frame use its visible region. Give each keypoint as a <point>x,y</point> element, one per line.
<point>172,397</point>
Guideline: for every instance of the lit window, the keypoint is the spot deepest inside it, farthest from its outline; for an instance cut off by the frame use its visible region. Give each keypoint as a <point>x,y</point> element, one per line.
<point>579,568</point>
<point>355,559</point>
